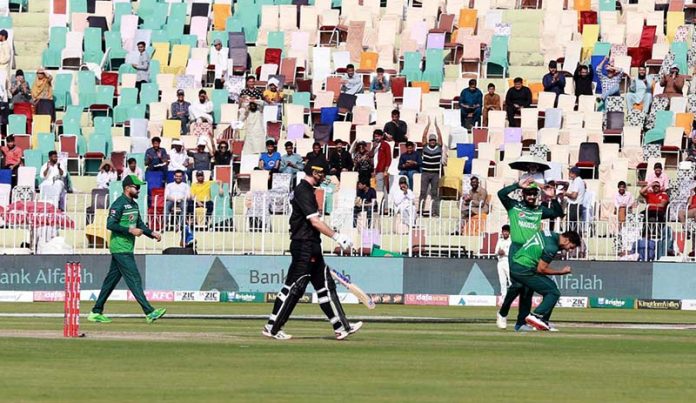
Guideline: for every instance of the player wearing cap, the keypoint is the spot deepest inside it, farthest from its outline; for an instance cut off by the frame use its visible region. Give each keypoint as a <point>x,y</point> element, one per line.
<point>308,263</point>
<point>125,224</point>
<point>525,221</point>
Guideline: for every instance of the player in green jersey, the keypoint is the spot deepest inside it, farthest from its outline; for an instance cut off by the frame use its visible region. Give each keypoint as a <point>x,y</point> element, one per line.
<point>125,224</point>
<point>525,221</point>
<point>530,267</point>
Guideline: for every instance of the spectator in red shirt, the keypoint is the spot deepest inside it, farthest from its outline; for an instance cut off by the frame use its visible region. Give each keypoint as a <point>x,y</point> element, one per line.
<point>12,155</point>
<point>657,200</point>
<point>382,157</point>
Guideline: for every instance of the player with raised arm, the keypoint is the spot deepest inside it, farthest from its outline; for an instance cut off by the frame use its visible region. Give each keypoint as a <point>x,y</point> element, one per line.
<point>308,262</point>
<point>525,221</point>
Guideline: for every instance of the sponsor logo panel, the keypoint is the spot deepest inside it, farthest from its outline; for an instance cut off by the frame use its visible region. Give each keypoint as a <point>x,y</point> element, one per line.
<point>612,303</point>
<point>472,300</point>
<point>663,304</point>
<point>426,299</point>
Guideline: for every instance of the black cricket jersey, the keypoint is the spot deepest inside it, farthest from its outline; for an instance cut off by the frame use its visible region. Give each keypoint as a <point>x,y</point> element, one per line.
<point>304,206</point>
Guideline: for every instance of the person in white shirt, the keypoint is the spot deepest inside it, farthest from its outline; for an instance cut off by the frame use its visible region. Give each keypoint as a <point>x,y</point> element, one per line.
<point>575,196</point>
<point>502,249</point>
<point>132,169</point>
<point>403,203</point>
<point>106,174</point>
<point>5,56</point>
<point>202,110</point>
<point>52,177</point>
<point>623,202</point>
<point>178,160</point>
<point>218,57</point>
<point>351,83</point>
<point>177,193</point>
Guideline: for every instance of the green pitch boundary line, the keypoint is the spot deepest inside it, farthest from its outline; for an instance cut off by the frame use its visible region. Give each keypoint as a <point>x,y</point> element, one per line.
<point>380,319</point>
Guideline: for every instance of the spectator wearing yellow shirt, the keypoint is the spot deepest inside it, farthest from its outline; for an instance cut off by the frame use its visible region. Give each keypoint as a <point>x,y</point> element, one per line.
<point>200,191</point>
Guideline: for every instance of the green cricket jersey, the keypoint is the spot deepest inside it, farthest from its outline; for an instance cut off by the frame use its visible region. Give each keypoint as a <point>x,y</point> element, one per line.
<point>123,215</point>
<point>541,246</point>
<point>525,221</point>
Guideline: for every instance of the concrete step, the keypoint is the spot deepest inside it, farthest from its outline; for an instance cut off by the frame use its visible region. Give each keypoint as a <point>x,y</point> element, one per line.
<point>38,6</point>
<point>526,59</point>
<point>524,45</point>
<point>31,33</point>
<point>31,19</point>
<point>29,47</point>
<point>28,62</point>
<point>530,73</point>
<point>525,30</point>
<point>512,16</point>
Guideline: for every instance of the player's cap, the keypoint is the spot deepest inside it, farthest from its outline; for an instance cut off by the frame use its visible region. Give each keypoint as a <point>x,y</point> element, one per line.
<point>132,180</point>
<point>532,189</point>
<point>319,166</point>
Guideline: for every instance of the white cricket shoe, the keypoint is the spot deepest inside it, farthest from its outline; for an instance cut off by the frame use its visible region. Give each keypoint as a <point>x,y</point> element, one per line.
<point>342,334</point>
<point>281,335</point>
<point>501,321</point>
<point>536,322</point>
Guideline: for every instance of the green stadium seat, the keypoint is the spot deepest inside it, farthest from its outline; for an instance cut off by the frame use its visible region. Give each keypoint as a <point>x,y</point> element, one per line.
<point>50,57</point>
<point>412,66</point>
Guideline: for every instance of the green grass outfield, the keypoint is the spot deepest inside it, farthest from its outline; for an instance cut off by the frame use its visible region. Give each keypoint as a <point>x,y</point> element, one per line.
<point>227,360</point>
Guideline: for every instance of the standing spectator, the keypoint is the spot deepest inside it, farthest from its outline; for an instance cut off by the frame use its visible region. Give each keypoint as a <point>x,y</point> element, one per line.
<point>271,95</point>
<point>575,196</point>
<point>12,157</point>
<point>202,110</point>
<point>657,175</point>
<point>583,79</point>
<point>517,97</point>
<point>431,166</point>
<point>218,57</point>
<point>178,160</point>
<point>688,211</point>
<point>611,81</point>
<point>53,179</point>
<point>351,84</point>
<point>340,159</point>
<point>491,102</point>
<point>410,163</point>
<point>222,156</point>
<point>106,174</point>
<point>19,88</point>
<point>363,162</point>
<point>291,163</point>
<point>673,83</point>
<point>200,193</point>
<point>657,200</point>
<point>365,200</point>
<point>253,132</point>
<point>380,83</point>
<point>554,81</point>
<point>640,91</point>
<point>250,94</point>
<point>470,103</point>
<point>142,68</point>
<point>270,160</point>
<point>502,250</point>
<point>177,194</point>
<point>42,94</point>
<point>180,111</point>
<point>156,158</point>
<point>5,55</point>
<point>132,169</point>
<point>623,202</point>
<point>403,203</point>
<point>316,156</point>
<point>396,129</point>
<point>201,157</point>
<point>473,204</point>
<point>382,156</point>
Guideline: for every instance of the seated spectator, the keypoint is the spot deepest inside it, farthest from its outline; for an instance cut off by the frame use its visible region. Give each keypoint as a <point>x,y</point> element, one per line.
<point>53,180</point>
<point>177,194</point>
<point>106,174</point>
<point>316,156</point>
<point>688,211</point>
<point>673,83</point>
<point>611,81</point>
<point>410,163</point>
<point>535,173</point>
<point>623,202</point>
<point>19,88</point>
<point>554,81</point>
<point>340,159</point>
<point>200,192</point>
<point>473,206</point>
<point>363,162</point>
<point>218,57</point>
<point>365,200</point>
<point>351,83</point>
<point>291,163</point>
<point>657,200</point>
<point>659,176</point>
<point>253,132</point>
<point>382,155</point>
<point>271,95</point>
<point>42,94</point>
<point>132,169</point>
<point>404,203</point>
<point>645,246</point>
<point>202,157</point>
<point>517,97</point>
<point>491,102</point>
<point>380,83</point>
<point>396,129</point>
<point>640,91</point>
<point>222,156</point>
<point>180,110</point>
<point>583,79</point>
<point>270,160</point>
<point>12,157</point>
<point>156,158</point>
<point>575,196</point>
<point>202,110</point>
<point>470,103</point>
<point>178,160</point>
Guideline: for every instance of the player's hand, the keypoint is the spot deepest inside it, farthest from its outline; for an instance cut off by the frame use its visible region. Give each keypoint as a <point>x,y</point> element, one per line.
<point>566,270</point>
<point>135,231</point>
<point>526,182</point>
<point>343,241</point>
<point>157,236</point>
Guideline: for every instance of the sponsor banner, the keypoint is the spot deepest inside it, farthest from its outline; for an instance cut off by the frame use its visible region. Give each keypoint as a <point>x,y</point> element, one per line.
<point>242,296</point>
<point>673,281</point>
<point>155,296</point>
<point>16,296</point>
<point>688,305</point>
<point>344,297</point>
<point>472,300</point>
<point>48,296</point>
<point>306,299</point>
<point>197,296</point>
<point>536,300</point>
<point>426,299</point>
<point>612,303</point>
<point>92,295</point>
<point>664,304</point>
<point>387,298</point>
<point>572,302</point>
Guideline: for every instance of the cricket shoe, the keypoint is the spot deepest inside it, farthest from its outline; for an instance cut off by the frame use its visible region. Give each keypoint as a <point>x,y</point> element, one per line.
<point>536,322</point>
<point>342,334</point>
<point>524,328</point>
<point>281,335</point>
<point>501,321</point>
<point>98,317</point>
<point>156,314</point>
<point>552,328</point>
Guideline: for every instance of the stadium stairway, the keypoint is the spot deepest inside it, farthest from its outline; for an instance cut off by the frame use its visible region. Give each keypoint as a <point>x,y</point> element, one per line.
<point>31,34</point>
<point>526,60</point>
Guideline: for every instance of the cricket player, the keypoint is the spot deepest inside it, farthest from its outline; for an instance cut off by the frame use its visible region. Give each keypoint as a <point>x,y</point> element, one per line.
<point>307,261</point>
<point>525,220</point>
<point>502,250</point>
<point>125,224</point>
<point>530,267</point>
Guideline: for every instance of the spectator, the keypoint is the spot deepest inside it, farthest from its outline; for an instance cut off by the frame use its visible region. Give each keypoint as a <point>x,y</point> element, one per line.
<point>291,163</point>
<point>657,200</point>
<point>340,159</point>
<point>19,88</point>
<point>316,156</point>
<point>689,210</point>
<point>5,55</point>
<point>271,95</point>
<point>156,158</point>
<point>575,196</point>
<point>177,194</point>
<point>517,97</point>
<point>403,203</point>
<point>106,174</point>
<point>365,200</point>
<point>583,79</point>
<point>4,110</point>
<point>491,102</point>
<point>218,57</point>
<point>623,202</point>
<point>658,176</point>
<point>502,250</point>
<point>53,179</point>
<point>12,157</point>
<point>410,163</point>
<point>200,192</point>
<point>178,160</point>
<point>611,82</point>
<point>431,166</point>
<point>222,156</point>
<point>380,83</point>
<point>363,162</point>
<point>470,102</point>
<point>202,110</point>
<point>640,91</point>
<point>132,169</point>
<point>382,155</point>
<point>180,110</point>
<point>474,204</point>
<point>351,84</point>
<point>673,83</point>
<point>42,94</point>
<point>250,94</point>
<point>534,172</point>
<point>202,158</point>
<point>554,81</point>
<point>253,132</point>
<point>645,246</point>
<point>396,129</point>
<point>142,68</point>
<point>270,160</point>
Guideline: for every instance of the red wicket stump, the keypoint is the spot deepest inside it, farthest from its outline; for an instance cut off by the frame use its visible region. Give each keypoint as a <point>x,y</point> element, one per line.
<point>71,304</point>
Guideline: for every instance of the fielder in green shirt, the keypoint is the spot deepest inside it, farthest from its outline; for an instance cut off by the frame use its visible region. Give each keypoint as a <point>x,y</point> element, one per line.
<point>125,225</point>
<point>530,267</point>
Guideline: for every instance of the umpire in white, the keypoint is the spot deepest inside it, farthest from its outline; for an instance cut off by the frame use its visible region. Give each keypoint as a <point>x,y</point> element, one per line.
<point>307,261</point>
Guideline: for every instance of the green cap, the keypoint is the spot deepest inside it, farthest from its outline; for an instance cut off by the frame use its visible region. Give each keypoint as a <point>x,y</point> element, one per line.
<point>533,188</point>
<point>132,180</point>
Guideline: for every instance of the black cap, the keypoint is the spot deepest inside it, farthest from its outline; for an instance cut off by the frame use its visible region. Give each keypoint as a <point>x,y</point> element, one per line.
<point>317,165</point>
